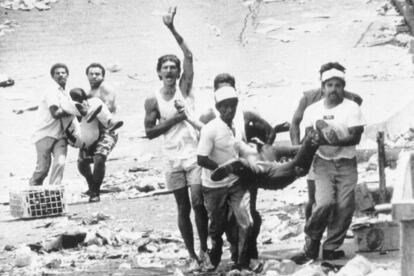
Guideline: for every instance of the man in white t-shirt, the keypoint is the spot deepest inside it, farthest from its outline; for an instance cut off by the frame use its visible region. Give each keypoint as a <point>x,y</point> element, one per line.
<point>219,143</point>
<point>49,134</point>
<point>335,168</point>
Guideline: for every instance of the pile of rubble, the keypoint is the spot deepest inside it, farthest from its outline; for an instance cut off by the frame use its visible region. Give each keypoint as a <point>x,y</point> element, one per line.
<point>92,243</point>
<point>26,5</point>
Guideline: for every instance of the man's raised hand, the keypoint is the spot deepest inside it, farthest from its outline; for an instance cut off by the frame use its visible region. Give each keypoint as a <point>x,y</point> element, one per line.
<point>168,19</point>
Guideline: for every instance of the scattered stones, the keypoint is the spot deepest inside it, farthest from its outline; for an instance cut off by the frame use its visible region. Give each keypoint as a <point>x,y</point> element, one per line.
<point>24,257</point>
<point>27,5</point>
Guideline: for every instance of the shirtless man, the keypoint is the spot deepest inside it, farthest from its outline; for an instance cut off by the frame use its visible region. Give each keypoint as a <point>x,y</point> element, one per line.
<point>99,151</point>
<point>167,115</point>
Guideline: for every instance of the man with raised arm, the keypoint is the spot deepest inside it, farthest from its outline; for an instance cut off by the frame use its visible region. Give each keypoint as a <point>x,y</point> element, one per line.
<point>167,115</point>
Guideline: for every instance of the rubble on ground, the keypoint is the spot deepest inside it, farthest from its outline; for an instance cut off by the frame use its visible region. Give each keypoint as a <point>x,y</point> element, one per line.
<point>6,27</point>
<point>27,5</point>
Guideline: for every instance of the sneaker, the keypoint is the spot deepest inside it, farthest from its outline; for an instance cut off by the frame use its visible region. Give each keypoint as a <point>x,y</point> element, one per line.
<point>301,258</point>
<point>205,260</point>
<point>332,254</point>
<point>226,169</point>
<point>310,252</point>
<point>93,114</point>
<point>193,266</point>
<point>94,198</point>
<point>326,131</point>
<point>256,265</point>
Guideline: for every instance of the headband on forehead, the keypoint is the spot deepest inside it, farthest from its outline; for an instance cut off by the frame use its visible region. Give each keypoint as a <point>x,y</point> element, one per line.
<point>224,93</point>
<point>332,73</point>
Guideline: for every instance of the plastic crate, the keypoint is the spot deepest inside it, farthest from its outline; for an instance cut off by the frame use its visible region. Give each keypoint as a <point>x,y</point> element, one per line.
<point>37,202</point>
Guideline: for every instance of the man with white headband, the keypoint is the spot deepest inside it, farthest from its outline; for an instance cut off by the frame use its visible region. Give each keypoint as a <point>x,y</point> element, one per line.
<point>219,143</point>
<point>334,167</point>
<point>310,97</point>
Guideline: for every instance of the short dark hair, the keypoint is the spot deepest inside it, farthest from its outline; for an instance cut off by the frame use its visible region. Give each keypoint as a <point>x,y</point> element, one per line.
<point>173,58</point>
<point>58,65</point>
<point>78,95</point>
<point>332,65</point>
<point>224,78</point>
<point>95,64</point>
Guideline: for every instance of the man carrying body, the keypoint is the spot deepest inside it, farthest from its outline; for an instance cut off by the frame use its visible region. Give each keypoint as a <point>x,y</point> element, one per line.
<point>250,125</point>
<point>335,168</point>
<point>99,151</point>
<point>218,144</point>
<point>49,135</point>
<point>166,114</point>
<point>310,97</point>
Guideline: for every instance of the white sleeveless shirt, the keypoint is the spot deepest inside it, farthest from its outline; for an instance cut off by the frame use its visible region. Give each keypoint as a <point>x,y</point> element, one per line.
<point>180,141</point>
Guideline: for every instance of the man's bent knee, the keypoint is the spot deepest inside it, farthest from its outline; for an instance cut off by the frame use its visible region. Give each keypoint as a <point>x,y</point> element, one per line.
<point>99,159</point>
<point>328,205</point>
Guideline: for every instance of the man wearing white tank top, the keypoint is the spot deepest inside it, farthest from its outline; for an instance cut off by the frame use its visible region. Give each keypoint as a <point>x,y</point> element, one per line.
<point>167,114</point>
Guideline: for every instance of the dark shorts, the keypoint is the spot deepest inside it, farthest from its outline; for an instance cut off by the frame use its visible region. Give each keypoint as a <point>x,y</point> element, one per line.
<point>103,146</point>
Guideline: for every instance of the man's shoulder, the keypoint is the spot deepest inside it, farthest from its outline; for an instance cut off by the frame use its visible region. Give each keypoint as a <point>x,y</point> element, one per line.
<point>318,105</point>
<point>313,93</point>
<point>211,126</point>
<point>350,104</point>
<point>312,96</point>
<point>106,88</point>
<point>151,102</point>
<point>353,97</point>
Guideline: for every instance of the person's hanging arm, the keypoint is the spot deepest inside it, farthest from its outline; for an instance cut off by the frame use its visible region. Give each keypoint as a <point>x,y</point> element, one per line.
<point>296,120</point>
<point>186,80</point>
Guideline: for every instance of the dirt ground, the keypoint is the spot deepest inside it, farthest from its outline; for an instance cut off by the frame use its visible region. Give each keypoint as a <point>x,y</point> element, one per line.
<point>271,69</point>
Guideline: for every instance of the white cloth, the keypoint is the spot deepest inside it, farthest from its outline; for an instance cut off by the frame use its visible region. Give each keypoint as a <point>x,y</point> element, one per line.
<point>332,73</point>
<point>341,117</point>
<point>220,144</point>
<point>89,132</point>
<point>180,141</point>
<point>46,125</point>
<point>225,93</point>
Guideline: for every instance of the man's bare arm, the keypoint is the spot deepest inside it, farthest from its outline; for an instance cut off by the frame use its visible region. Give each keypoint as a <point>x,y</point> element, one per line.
<point>154,128</point>
<point>58,112</point>
<point>186,80</point>
<point>207,116</point>
<point>108,97</point>
<point>205,162</point>
<point>352,139</point>
<point>296,120</point>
